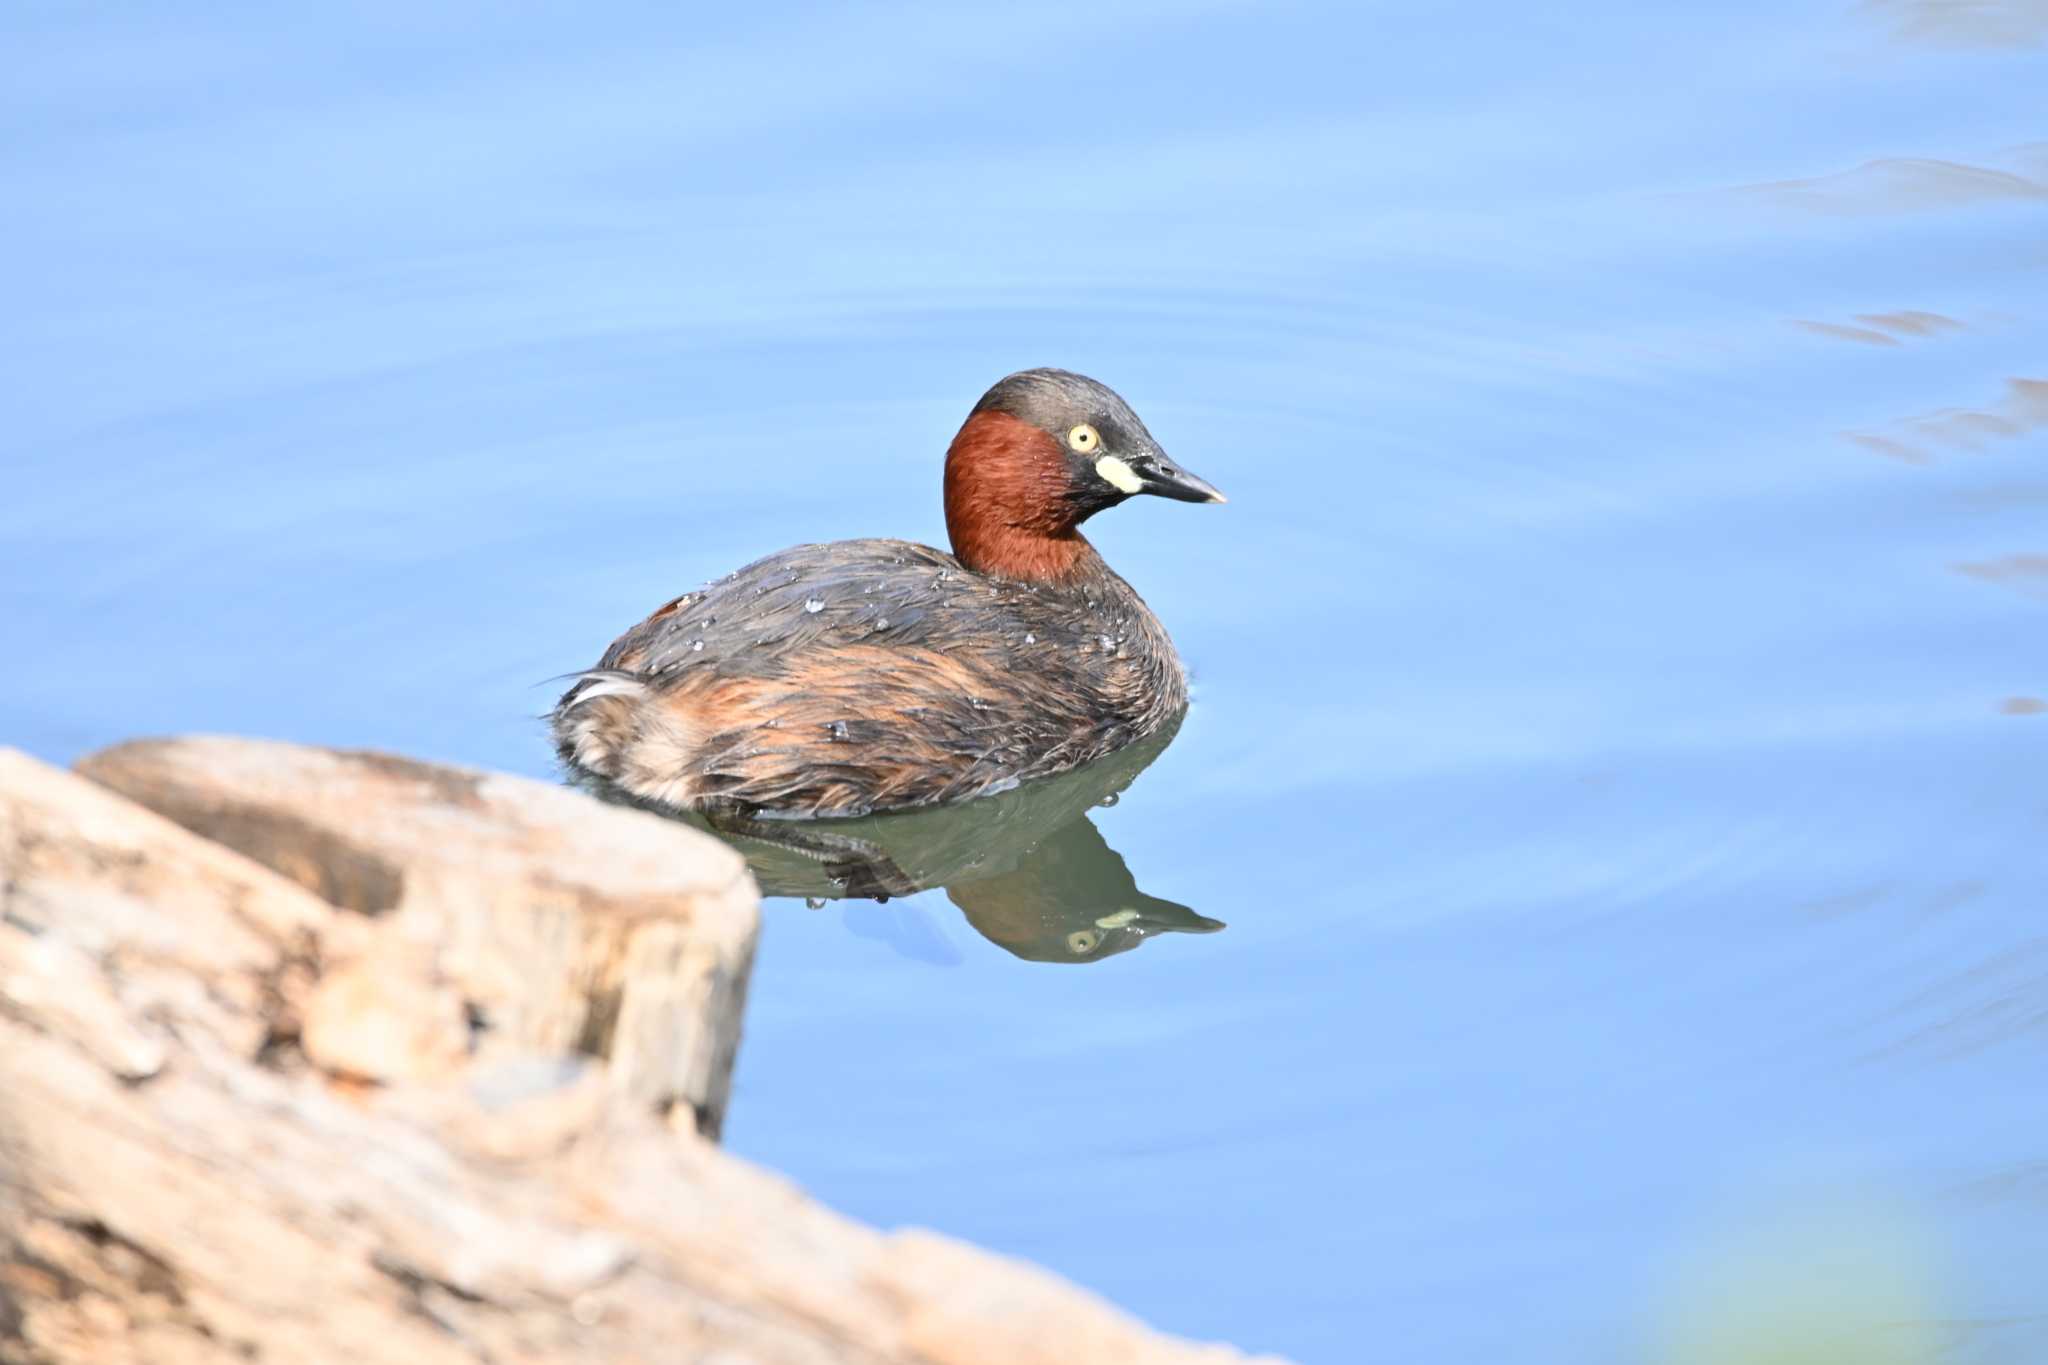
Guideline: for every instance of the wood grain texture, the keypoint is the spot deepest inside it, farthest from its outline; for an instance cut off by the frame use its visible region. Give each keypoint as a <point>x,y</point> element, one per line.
<point>183,1183</point>
<point>555,926</point>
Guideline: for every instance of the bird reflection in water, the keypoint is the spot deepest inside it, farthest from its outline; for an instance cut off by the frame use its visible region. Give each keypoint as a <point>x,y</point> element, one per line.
<point>1027,868</point>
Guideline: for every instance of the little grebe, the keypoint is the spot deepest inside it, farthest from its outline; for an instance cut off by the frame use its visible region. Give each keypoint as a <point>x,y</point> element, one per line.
<point>869,675</point>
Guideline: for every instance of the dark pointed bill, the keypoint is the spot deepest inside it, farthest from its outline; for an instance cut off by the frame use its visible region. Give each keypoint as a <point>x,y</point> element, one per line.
<point>1161,476</point>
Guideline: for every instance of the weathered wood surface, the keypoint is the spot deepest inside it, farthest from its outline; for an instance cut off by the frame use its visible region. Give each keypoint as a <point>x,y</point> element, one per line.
<point>183,1178</point>
<point>556,922</point>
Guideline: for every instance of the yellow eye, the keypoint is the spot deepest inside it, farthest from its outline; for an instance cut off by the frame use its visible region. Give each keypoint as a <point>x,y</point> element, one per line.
<point>1084,439</point>
<point>1082,941</point>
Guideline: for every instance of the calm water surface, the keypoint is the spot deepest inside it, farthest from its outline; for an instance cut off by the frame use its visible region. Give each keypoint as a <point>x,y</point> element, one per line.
<point>1617,753</point>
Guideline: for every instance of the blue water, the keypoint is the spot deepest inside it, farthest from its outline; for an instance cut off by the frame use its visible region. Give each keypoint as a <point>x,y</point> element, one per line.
<point>1617,750</point>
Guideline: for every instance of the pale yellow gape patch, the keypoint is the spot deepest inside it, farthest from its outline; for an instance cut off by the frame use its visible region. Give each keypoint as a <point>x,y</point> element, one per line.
<point>1118,475</point>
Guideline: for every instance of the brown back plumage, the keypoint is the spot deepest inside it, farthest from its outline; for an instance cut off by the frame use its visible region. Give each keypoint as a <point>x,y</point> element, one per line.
<point>869,674</point>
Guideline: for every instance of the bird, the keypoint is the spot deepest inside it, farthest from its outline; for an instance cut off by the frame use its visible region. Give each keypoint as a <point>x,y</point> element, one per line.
<point>864,676</point>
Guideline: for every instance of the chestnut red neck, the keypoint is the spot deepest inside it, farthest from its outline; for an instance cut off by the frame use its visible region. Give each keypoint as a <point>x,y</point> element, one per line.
<point>1008,505</point>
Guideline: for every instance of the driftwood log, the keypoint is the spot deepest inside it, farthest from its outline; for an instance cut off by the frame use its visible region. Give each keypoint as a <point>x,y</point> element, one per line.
<point>348,1058</point>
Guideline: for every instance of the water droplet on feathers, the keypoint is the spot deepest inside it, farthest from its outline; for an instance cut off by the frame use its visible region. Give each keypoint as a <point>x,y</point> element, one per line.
<point>814,902</point>
<point>838,729</point>
<point>814,605</point>
<point>1029,638</point>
